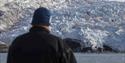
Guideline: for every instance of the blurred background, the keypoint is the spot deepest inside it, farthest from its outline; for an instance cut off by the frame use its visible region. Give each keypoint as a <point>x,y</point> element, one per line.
<point>87,26</point>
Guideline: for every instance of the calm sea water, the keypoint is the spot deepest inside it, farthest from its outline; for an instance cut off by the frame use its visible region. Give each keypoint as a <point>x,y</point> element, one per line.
<point>87,58</point>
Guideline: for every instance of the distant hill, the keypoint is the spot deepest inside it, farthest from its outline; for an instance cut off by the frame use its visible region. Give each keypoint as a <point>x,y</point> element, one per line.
<point>96,22</point>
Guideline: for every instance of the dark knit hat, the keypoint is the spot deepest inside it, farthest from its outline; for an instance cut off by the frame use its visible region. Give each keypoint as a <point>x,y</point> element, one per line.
<point>41,17</point>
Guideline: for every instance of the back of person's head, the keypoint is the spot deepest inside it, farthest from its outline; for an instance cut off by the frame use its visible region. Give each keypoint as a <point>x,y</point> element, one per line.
<point>41,17</point>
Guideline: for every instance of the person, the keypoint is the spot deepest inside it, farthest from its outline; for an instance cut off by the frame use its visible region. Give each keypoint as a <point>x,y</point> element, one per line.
<point>38,45</point>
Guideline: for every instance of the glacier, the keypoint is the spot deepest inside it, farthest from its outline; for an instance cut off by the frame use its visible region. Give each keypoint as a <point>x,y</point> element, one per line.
<point>95,21</point>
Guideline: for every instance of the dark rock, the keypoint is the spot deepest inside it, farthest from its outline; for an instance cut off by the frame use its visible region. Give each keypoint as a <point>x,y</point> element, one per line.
<point>100,50</point>
<point>86,49</point>
<point>74,44</point>
<point>107,48</point>
<point>77,46</point>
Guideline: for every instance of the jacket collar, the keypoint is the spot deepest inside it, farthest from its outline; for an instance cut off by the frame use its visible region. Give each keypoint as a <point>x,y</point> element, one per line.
<point>39,29</point>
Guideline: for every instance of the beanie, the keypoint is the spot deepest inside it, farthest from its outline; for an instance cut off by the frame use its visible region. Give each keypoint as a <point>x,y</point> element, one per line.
<point>41,17</point>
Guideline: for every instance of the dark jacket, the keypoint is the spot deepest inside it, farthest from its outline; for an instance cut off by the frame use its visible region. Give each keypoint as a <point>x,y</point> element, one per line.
<point>38,46</point>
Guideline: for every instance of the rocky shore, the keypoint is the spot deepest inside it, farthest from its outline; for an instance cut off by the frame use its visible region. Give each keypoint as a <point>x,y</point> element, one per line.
<point>3,47</point>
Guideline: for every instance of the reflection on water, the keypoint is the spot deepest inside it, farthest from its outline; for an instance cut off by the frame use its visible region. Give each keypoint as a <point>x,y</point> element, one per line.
<point>88,58</point>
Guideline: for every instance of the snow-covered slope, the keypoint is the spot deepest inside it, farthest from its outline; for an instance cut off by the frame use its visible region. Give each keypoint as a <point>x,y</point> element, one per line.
<point>95,21</point>
<point>116,0</point>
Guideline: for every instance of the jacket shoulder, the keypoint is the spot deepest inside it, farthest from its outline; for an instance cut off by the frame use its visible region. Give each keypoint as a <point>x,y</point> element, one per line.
<point>19,38</point>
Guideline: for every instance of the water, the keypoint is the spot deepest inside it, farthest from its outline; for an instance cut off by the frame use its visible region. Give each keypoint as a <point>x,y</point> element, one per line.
<point>88,58</point>
<point>3,57</point>
<point>100,58</point>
